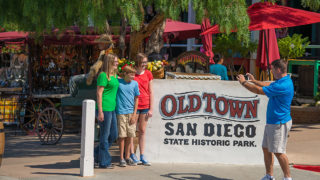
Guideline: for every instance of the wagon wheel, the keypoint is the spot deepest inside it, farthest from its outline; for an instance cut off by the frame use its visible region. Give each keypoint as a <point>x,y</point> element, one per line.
<point>49,126</point>
<point>33,107</point>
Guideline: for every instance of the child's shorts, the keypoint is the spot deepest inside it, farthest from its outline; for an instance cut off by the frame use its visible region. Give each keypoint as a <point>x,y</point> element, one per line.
<point>124,127</point>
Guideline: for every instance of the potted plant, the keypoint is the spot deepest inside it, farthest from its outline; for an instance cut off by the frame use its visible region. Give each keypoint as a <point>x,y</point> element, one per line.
<point>292,47</point>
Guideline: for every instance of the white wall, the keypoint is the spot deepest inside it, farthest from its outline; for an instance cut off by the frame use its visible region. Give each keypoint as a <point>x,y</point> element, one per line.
<point>166,143</point>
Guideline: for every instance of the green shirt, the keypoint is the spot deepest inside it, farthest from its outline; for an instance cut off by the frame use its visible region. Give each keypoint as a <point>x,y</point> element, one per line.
<point>110,91</point>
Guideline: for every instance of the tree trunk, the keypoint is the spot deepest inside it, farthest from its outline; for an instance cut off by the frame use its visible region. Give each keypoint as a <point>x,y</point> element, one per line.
<point>122,38</point>
<point>95,68</point>
<point>108,31</point>
<point>137,37</point>
<point>155,42</point>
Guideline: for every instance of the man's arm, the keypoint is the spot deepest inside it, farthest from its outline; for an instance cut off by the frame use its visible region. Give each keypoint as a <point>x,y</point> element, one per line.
<point>256,82</point>
<point>250,86</point>
<point>261,83</point>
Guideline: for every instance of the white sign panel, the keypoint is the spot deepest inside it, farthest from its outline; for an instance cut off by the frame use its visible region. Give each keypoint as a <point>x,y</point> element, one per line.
<point>205,121</point>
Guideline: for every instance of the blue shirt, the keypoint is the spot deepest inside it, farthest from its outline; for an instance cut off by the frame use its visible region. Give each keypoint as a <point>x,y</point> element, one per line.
<point>219,69</point>
<point>280,94</point>
<point>125,96</point>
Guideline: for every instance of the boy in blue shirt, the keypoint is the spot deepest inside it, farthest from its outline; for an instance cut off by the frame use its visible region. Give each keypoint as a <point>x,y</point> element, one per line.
<point>126,109</point>
<point>280,94</point>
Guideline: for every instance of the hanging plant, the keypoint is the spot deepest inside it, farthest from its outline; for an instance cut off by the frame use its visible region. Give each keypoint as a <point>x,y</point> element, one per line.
<point>11,49</point>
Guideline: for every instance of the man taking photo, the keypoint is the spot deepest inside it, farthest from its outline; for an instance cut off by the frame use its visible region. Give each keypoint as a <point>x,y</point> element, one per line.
<point>280,94</point>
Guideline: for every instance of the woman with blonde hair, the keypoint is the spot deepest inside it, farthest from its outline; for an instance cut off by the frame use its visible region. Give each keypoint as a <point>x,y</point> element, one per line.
<point>107,87</point>
<point>145,104</point>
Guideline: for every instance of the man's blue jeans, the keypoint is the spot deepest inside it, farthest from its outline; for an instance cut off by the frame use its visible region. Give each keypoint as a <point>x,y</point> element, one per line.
<point>108,134</point>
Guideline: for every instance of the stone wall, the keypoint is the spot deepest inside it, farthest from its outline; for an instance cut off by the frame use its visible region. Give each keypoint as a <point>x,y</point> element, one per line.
<point>305,115</point>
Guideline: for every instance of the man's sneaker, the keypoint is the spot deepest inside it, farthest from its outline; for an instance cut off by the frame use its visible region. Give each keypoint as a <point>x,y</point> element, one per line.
<point>144,161</point>
<point>130,162</point>
<point>268,177</point>
<point>123,163</point>
<point>134,158</point>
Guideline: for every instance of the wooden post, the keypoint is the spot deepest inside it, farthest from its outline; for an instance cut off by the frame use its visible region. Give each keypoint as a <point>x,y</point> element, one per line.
<point>2,141</point>
<point>315,77</point>
<point>87,138</point>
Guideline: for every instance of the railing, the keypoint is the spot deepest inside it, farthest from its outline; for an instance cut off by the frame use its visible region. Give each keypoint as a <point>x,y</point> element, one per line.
<point>313,46</point>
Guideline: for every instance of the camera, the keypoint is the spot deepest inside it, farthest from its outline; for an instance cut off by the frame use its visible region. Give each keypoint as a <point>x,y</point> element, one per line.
<point>246,77</point>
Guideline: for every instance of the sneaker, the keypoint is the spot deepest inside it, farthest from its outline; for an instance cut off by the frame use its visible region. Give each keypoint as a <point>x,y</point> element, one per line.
<point>134,158</point>
<point>268,177</point>
<point>111,166</point>
<point>123,163</point>
<point>130,162</point>
<point>144,161</point>
<point>96,164</point>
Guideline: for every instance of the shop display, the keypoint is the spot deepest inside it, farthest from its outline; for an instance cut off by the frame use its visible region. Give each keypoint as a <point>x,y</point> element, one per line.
<point>8,109</point>
<point>157,68</point>
<point>56,65</point>
<point>12,48</point>
<point>192,62</point>
<point>192,76</point>
<point>13,70</point>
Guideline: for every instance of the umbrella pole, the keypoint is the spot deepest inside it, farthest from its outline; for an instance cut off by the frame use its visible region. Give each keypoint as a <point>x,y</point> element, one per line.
<point>267,53</point>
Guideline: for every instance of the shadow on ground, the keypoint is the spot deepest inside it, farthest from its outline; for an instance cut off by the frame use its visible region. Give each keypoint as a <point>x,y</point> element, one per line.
<point>298,127</point>
<point>58,165</point>
<point>63,174</point>
<point>30,146</point>
<point>191,176</point>
<point>73,164</point>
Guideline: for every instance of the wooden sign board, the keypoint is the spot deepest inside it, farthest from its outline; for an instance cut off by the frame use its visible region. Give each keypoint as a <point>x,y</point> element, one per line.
<point>194,61</point>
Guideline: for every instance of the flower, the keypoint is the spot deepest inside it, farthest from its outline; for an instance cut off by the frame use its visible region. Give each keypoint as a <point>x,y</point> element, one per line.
<point>292,46</point>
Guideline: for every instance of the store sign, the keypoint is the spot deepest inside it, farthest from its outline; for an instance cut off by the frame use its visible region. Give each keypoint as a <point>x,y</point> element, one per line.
<point>193,57</point>
<point>205,121</point>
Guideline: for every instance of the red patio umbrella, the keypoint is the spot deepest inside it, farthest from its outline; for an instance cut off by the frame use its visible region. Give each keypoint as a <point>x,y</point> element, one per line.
<point>181,30</point>
<point>270,16</point>
<point>267,49</point>
<point>207,40</point>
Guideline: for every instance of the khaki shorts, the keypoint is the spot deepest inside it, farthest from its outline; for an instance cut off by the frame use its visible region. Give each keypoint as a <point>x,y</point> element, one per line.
<point>124,128</point>
<point>275,137</point>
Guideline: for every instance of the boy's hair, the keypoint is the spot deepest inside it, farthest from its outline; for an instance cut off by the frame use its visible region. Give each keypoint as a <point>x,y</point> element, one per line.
<point>128,69</point>
<point>280,64</point>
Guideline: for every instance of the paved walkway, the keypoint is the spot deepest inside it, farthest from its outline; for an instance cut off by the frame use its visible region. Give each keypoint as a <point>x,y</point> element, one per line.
<point>25,158</point>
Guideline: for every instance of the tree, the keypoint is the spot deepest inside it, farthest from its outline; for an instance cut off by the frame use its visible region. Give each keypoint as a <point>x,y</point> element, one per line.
<point>313,4</point>
<point>42,15</point>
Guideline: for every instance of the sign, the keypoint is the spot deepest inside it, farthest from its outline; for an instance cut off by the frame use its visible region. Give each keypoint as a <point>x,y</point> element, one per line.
<point>193,57</point>
<point>205,121</point>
